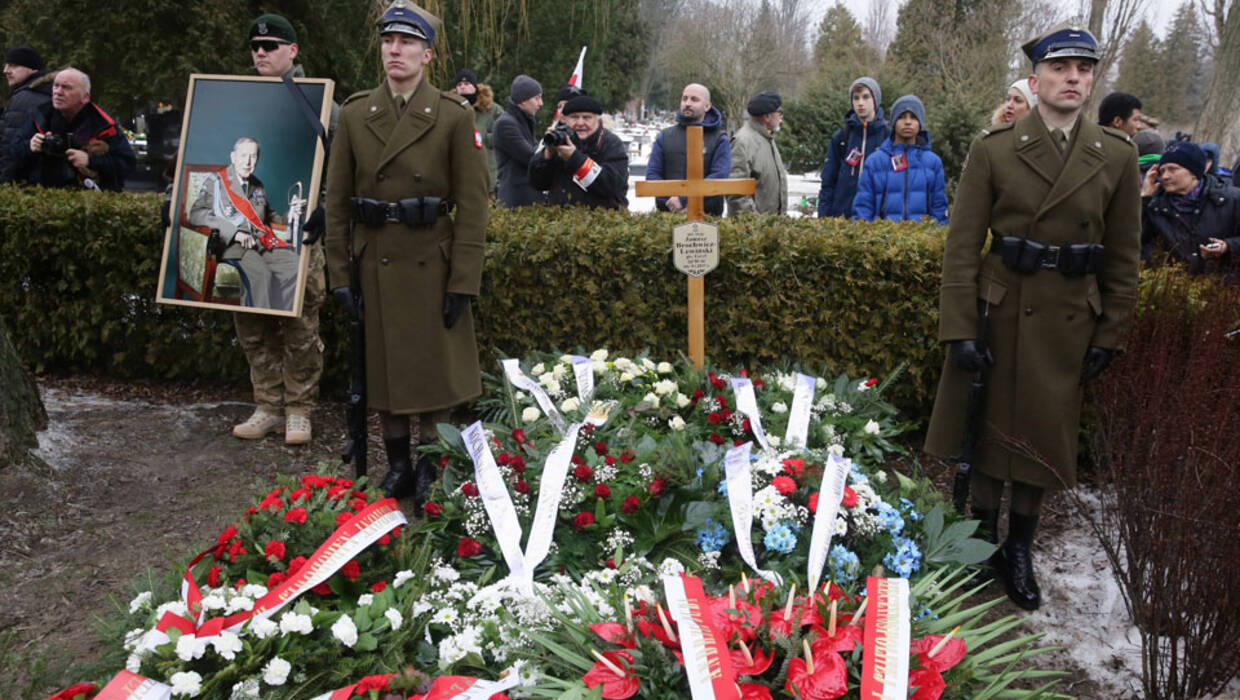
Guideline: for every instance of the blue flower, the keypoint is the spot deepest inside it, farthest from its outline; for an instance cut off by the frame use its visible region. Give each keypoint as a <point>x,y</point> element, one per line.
<point>780,538</point>
<point>890,517</point>
<point>905,559</point>
<point>713,536</point>
<point>910,510</point>
<point>844,565</point>
<point>723,487</point>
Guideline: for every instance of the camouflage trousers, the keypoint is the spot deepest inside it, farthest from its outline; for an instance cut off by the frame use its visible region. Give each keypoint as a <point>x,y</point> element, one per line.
<point>285,353</point>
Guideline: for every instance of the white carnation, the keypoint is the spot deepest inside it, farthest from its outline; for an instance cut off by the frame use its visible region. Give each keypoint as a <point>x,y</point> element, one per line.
<point>365,599</point>
<point>190,647</point>
<point>401,578</point>
<point>570,404</point>
<point>227,644</point>
<point>394,618</point>
<point>139,600</point>
<point>626,376</point>
<point>872,428</point>
<point>538,369</point>
<point>651,398</point>
<point>779,407</point>
<point>263,627</point>
<point>186,683</point>
<point>247,689</point>
<point>276,671</point>
<point>345,631</point>
<point>292,622</point>
<point>664,387</point>
<point>676,423</point>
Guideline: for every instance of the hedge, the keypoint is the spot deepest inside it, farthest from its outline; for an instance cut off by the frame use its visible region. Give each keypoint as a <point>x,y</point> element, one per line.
<point>78,273</point>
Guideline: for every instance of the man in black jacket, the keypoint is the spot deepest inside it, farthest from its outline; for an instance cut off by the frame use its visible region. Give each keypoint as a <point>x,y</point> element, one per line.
<point>30,87</point>
<point>512,137</point>
<point>1191,218</point>
<point>587,166</point>
<point>72,142</point>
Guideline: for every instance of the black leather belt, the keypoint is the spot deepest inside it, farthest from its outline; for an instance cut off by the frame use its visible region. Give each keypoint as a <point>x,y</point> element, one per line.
<point>413,211</point>
<point>1027,256</point>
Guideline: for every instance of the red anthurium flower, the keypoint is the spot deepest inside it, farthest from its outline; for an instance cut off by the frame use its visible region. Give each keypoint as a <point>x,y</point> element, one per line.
<point>630,505</point>
<point>834,592</point>
<point>930,684</point>
<point>615,686</point>
<point>655,629</point>
<point>468,547</point>
<point>850,498</point>
<point>351,570</point>
<point>73,691</point>
<point>274,550</point>
<point>784,485</point>
<point>295,515</point>
<point>583,519</point>
<point>761,661</point>
<point>948,656</point>
<point>847,638</point>
<point>828,681</point>
<point>755,691</point>
<point>614,633</point>
<point>804,614</point>
<point>741,619</point>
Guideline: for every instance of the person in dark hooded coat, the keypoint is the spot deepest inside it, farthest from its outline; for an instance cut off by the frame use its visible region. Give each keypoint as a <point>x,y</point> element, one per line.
<point>668,154</point>
<point>864,130</point>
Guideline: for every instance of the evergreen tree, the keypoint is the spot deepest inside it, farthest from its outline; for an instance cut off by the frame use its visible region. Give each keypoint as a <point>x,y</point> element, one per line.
<point>840,46</point>
<point>1140,70</point>
<point>1182,64</point>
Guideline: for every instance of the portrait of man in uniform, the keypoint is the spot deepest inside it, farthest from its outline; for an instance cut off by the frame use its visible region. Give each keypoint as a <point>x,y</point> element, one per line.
<point>248,174</point>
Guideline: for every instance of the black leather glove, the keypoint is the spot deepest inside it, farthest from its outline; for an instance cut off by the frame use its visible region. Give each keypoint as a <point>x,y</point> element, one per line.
<point>453,305</point>
<point>165,212</point>
<point>1096,360</point>
<point>343,296</point>
<point>312,230</point>
<point>970,355</point>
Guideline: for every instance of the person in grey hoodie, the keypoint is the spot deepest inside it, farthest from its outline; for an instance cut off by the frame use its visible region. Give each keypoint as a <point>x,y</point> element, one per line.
<point>864,129</point>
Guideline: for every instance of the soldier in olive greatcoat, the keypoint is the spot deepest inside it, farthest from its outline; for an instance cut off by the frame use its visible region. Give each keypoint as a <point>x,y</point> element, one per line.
<point>1059,196</point>
<point>407,196</point>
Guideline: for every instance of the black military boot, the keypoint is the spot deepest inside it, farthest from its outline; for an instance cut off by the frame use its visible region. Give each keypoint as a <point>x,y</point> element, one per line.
<point>399,480</point>
<point>987,529</point>
<point>423,480</point>
<point>1016,570</point>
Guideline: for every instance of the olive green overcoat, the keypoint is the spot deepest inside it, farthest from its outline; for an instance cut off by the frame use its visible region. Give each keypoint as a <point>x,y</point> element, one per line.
<point>1016,183</point>
<point>413,364</point>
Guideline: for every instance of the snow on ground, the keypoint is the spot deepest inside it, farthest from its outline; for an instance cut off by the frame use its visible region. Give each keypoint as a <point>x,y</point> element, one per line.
<point>800,187</point>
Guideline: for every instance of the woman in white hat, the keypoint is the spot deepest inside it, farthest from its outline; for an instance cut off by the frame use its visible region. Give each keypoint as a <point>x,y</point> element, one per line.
<point>1016,104</point>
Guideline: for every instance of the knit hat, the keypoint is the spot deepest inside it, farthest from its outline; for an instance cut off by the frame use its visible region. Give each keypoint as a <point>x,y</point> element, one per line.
<point>764,103</point>
<point>465,75</point>
<point>1022,84</point>
<point>1149,143</point>
<point>1187,155</point>
<point>24,56</point>
<point>909,103</point>
<point>568,92</point>
<point>582,103</point>
<point>523,88</point>
<point>273,27</point>
<point>870,83</point>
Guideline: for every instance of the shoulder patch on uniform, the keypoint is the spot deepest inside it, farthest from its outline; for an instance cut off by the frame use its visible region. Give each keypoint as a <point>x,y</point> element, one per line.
<point>997,128</point>
<point>1117,133</point>
<point>356,96</point>
<point>451,96</point>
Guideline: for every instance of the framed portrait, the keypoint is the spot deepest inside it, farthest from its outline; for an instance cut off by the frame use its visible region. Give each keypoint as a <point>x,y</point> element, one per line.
<point>247,177</point>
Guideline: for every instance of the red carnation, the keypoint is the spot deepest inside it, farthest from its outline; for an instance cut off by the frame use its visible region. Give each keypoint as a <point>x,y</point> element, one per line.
<point>347,483</point>
<point>871,381</point>
<point>378,586</point>
<point>79,690</point>
<point>342,518</point>
<point>385,540</point>
<point>213,576</point>
<point>784,485</point>
<point>813,502</point>
<point>351,570</point>
<point>295,515</point>
<point>370,683</point>
<point>275,579</point>
<point>583,472</point>
<point>322,589</point>
<point>432,509</point>
<point>714,418</point>
<point>443,462</point>
<point>583,519</point>
<point>358,504</point>
<point>656,487</point>
<point>274,549</point>
<point>628,455</point>
<point>723,403</point>
<point>299,495</point>
<point>296,564</point>
<point>522,486</point>
<point>469,489</point>
<point>716,381</point>
<point>271,503</point>
<point>337,492</point>
<point>850,497</point>
<point>746,425</point>
<point>717,438</point>
<point>468,547</point>
<point>228,533</point>
<point>601,448</point>
<point>630,505</point>
<point>609,461</point>
<point>602,491</point>
<point>518,464</point>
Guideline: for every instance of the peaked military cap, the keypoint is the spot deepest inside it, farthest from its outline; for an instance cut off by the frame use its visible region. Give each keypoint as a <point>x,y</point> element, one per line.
<point>1064,41</point>
<point>273,26</point>
<point>406,18</point>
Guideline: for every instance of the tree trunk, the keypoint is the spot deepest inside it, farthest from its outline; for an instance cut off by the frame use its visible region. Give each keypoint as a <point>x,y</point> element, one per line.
<point>21,409</point>
<point>1220,115</point>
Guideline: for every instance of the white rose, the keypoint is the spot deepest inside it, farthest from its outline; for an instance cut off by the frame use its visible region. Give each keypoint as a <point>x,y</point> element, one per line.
<point>665,387</point>
<point>599,367</point>
<point>665,368</point>
<point>189,648</point>
<point>682,400</point>
<point>276,671</point>
<point>365,599</point>
<point>559,371</point>
<point>530,414</point>
<point>394,618</point>
<point>345,631</point>
<point>676,423</point>
<point>779,407</point>
<point>570,404</point>
<point>519,396</point>
<point>872,428</point>
<point>651,398</point>
<point>538,368</point>
<point>139,600</point>
<point>263,627</point>
<point>401,578</point>
<point>227,644</point>
<point>292,622</point>
<point>787,382</point>
<point>626,376</point>
<point>186,683</point>
<point>566,359</point>
<point>553,387</point>
<point>774,440</point>
<point>648,364</point>
<point>598,355</point>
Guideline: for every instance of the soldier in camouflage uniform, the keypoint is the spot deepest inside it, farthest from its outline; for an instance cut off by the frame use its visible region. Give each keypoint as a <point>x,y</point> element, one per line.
<point>285,353</point>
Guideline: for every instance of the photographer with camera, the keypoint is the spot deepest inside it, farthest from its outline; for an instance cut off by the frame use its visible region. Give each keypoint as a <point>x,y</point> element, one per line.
<point>580,162</point>
<point>72,142</point>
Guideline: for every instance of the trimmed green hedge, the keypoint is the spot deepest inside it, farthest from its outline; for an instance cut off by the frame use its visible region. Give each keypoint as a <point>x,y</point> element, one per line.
<point>78,273</point>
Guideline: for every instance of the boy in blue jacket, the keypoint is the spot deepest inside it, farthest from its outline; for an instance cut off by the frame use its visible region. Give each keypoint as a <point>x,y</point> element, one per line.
<point>864,129</point>
<point>903,179</point>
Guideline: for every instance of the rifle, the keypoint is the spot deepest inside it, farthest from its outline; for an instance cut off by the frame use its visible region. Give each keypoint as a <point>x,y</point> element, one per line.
<point>974,408</point>
<point>1232,334</point>
<point>355,413</point>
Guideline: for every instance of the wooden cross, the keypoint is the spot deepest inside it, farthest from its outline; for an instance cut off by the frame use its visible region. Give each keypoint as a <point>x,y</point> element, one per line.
<point>696,188</point>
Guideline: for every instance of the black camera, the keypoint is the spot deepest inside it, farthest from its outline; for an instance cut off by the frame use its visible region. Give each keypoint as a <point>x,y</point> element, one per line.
<point>55,145</point>
<point>559,136</point>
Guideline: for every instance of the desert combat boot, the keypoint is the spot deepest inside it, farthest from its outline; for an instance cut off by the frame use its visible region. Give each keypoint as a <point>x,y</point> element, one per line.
<point>259,425</point>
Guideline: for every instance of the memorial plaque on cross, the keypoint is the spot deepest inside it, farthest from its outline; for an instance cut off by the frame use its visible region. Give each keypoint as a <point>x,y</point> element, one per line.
<point>698,245</point>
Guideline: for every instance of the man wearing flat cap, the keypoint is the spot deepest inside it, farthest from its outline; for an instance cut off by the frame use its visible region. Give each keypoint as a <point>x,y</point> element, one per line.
<point>755,155</point>
<point>407,202</point>
<point>30,88</point>
<point>1040,315</point>
<point>583,163</point>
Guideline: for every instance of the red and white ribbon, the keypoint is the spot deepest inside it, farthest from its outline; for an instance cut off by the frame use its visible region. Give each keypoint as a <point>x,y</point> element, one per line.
<point>587,174</point>
<point>707,661</point>
<point>888,633</point>
<point>447,688</point>
<point>348,541</point>
<point>130,686</point>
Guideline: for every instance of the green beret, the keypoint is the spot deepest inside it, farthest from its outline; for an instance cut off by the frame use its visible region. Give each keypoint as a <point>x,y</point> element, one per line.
<point>274,27</point>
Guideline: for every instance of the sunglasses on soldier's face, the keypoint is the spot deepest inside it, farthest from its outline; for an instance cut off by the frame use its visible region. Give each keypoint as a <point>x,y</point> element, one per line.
<point>267,45</point>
